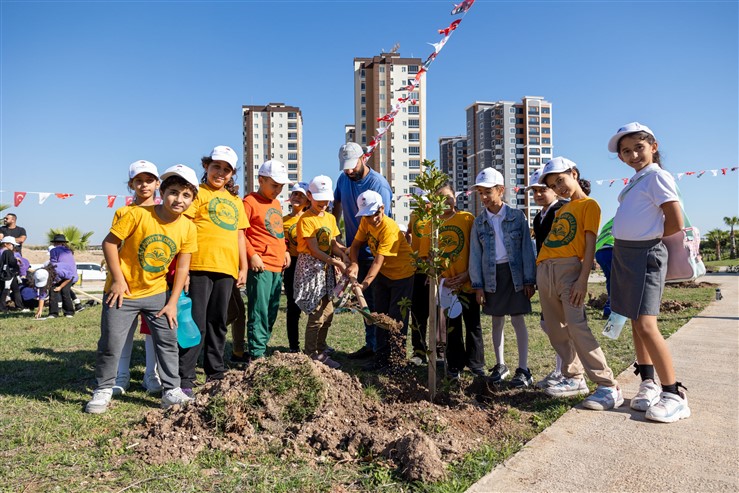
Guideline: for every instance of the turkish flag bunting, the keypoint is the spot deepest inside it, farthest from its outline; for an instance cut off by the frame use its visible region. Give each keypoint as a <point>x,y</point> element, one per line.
<point>111,200</point>
<point>18,198</point>
<point>451,27</point>
<point>129,200</point>
<point>63,195</point>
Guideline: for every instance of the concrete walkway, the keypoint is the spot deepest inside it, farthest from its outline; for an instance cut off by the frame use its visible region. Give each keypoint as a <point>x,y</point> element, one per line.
<point>619,450</point>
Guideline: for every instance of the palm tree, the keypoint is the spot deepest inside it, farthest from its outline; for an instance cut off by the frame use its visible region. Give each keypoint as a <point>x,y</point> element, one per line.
<point>3,207</point>
<point>77,240</point>
<point>717,236</point>
<point>731,222</point>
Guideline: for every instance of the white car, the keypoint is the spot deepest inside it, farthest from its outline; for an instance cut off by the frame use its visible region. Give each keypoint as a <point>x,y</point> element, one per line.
<point>90,271</point>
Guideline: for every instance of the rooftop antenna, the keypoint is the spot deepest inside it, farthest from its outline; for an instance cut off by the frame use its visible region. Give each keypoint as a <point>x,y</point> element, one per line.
<point>395,48</point>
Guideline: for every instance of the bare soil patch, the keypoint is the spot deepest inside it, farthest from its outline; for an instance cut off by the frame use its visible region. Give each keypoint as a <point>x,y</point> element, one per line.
<point>290,404</point>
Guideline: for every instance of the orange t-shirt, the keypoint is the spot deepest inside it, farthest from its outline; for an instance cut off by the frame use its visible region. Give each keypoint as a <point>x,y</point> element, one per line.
<point>265,235</point>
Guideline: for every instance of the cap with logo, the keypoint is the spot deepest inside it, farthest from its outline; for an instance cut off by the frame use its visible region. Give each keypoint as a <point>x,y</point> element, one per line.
<point>183,172</point>
<point>488,178</point>
<point>276,170</point>
<point>627,129</point>
<point>142,166</point>
<point>349,155</point>
<point>555,165</point>
<point>368,203</point>
<point>321,188</point>
<point>534,180</point>
<point>224,153</point>
<point>301,187</point>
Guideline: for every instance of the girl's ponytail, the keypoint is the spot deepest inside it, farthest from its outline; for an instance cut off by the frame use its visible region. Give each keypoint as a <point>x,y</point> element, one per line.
<point>585,185</point>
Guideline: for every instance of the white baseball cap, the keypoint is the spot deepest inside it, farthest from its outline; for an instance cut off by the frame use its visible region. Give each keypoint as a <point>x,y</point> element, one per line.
<point>224,153</point>
<point>276,170</point>
<point>9,239</point>
<point>349,155</point>
<point>627,129</point>
<point>488,178</point>
<point>534,180</point>
<point>184,172</point>
<point>142,167</point>
<point>301,187</point>
<point>321,188</point>
<point>555,165</point>
<point>40,278</point>
<point>368,203</point>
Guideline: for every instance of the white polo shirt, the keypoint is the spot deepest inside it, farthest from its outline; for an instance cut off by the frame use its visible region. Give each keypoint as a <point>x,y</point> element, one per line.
<point>496,221</point>
<point>639,215</point>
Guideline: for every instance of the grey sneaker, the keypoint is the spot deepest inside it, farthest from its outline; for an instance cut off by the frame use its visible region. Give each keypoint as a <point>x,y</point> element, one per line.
<point>122,382</point>
<point>604,398</point>
<point>647,396</point>
<point>174,397</point>
<point>522,378</point>
<point>568,387</point>
<point>670,408</point>
<point>99,402</point>
<point>499,372</point>
<point>550,380</point>
<point>151,383</point>
<point>326,360</point>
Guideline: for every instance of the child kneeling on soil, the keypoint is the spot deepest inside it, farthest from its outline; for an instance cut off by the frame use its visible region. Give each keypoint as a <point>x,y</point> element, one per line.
<point>153,236</point>
<point>391,273</point>
<point>314,271</point>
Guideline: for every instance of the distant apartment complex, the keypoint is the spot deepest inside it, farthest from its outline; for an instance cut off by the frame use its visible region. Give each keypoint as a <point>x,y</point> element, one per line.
<point>402,150</point>
<point>274,131</point>
<point>453,162</point>
<point>514,138</point>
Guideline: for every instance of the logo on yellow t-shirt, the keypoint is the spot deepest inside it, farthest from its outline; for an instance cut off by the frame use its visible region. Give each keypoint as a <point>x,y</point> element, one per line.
<point>372,242</point>
<point>156,252</point>
<point>292,235</point>
<point>273,223</point>
<point>418,227</point>
<point>451,241</point>
<point>323,238</point>
<point>223,213</point>
<point>563,231</point>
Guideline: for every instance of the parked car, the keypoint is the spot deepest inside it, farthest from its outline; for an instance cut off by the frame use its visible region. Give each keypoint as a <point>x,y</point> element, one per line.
<point>90,271</point>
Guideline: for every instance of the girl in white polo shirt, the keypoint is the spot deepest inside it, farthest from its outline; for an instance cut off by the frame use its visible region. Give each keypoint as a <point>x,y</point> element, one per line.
<point>649,208</point>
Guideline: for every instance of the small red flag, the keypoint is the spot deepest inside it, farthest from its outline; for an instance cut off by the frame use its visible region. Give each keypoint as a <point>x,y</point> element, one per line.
<point>111,200</point>
<point>18,198</point>
<point>129,199</point>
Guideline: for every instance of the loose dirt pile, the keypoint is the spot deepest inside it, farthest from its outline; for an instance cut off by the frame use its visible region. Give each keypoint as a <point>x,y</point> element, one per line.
<point>300,408</point>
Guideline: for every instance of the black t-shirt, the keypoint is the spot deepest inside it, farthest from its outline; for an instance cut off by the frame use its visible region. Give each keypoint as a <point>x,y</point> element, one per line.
<point>14,232</point>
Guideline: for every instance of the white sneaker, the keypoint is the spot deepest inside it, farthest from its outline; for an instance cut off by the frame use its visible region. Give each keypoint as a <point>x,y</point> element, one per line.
<point>122,382</point>
<point>99,402</point>
<point>175,397</point>
<point>647,396</point>
<point>670,408</point>
<point>151,383</point>
<point>568,387</point>
<point>550,380</point>
<point>604,398</point>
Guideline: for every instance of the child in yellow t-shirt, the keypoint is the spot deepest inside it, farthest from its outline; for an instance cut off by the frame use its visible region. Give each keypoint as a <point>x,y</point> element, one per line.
<point>153,236</point>
<point>218,214</point>
<point>391,273</point>
<point>314,271</point>
<point>299,203</point>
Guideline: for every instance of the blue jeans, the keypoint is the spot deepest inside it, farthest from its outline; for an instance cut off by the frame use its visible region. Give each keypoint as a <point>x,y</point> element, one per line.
<point>604,256</point>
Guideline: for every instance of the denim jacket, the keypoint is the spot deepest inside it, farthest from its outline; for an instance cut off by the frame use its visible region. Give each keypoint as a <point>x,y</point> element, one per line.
<point>518,244</point>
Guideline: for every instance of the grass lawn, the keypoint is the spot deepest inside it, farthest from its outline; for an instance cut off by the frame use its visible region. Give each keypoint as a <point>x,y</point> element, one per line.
<point>47,443</point>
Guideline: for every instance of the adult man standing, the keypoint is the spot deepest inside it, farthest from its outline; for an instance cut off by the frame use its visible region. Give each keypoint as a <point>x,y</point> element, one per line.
<point>10,229</point>
<point>356,178</point>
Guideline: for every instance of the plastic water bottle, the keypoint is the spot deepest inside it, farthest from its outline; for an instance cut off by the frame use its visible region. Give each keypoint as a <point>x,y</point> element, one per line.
<point>188,334</point>
<point>614,325</point>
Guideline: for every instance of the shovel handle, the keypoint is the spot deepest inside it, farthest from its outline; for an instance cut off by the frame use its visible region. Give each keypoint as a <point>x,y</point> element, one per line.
<point>360,295</point>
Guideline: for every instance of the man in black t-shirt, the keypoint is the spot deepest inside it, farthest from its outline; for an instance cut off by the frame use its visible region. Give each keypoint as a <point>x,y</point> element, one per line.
<point>10,229</point>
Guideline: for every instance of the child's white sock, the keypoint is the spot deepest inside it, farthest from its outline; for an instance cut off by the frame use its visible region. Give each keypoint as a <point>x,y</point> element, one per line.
<point>522,340</point>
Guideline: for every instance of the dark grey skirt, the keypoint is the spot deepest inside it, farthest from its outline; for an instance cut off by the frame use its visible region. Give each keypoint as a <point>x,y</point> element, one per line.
<point>505,300</point>
<point>638,273</point>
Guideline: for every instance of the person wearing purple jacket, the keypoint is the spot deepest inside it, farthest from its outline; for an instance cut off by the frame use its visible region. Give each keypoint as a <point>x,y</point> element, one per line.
<point>62,259</point>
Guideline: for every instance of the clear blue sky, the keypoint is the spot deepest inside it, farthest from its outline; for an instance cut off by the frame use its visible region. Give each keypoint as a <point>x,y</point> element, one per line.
<point>90,86</point>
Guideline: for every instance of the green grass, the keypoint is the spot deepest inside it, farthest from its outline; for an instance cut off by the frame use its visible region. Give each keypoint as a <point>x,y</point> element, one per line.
<point>727,262</point>
<point>47,443</point>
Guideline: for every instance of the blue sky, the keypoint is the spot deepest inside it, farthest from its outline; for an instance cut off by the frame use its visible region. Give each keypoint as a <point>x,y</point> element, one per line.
<point>89,87</point>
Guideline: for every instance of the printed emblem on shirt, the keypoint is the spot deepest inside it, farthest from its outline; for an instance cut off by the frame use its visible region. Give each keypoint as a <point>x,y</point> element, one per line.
<point>372,242</point>
<point>273,223</point>
<point>156,253</point>
<point>323,237</point>
<point>292,235</point>
<point>563,231</point>
<point>418,225</point>
<point>451,241</point>
<point>223,213</point>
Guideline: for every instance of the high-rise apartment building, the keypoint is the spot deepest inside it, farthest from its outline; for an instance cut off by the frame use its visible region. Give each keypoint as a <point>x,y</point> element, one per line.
<point>514,138</point>
<point>453,162</point>
<point>274,131</point>
<point>398,158</point>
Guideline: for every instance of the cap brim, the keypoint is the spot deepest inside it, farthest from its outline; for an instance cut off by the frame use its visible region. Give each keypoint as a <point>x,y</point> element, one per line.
<point>536,185</point>
<point>613,143</point>
<point>323,196</point>
<point>485,184</point>
<point>349,164</point>
<point>367,210</point>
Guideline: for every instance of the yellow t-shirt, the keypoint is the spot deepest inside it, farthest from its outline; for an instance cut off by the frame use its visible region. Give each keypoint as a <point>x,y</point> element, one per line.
<point>387,240</point>
<point>322,228</point>
<point>219,218</point>
<point>454,244</point>
<point>122,211</point>
<point>417,230</point>
<point>149,247</point>
<point>567,237</point>
<point>290,224</point>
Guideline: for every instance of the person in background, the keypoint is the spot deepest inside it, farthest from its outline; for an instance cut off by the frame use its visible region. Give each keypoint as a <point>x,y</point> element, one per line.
<point>10,228</point>
<point>65,268</point>
<point>604,257</point>
<point>299,203</point>
<point>9,275</point>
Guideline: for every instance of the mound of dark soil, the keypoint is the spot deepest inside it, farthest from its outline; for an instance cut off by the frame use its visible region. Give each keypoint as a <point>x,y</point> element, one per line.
<point>289,403</point>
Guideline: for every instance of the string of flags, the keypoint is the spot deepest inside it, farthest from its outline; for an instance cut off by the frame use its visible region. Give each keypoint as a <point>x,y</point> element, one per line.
<point>611,181</point>
<point>19,197</point>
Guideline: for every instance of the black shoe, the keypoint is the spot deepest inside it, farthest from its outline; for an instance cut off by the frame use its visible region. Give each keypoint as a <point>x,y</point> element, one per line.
<point>522,378</point>
<point>294,350</point>
<point>243,359</point>
<point>498,373</point>
<point>363,353</point>
<point>478,372</point>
